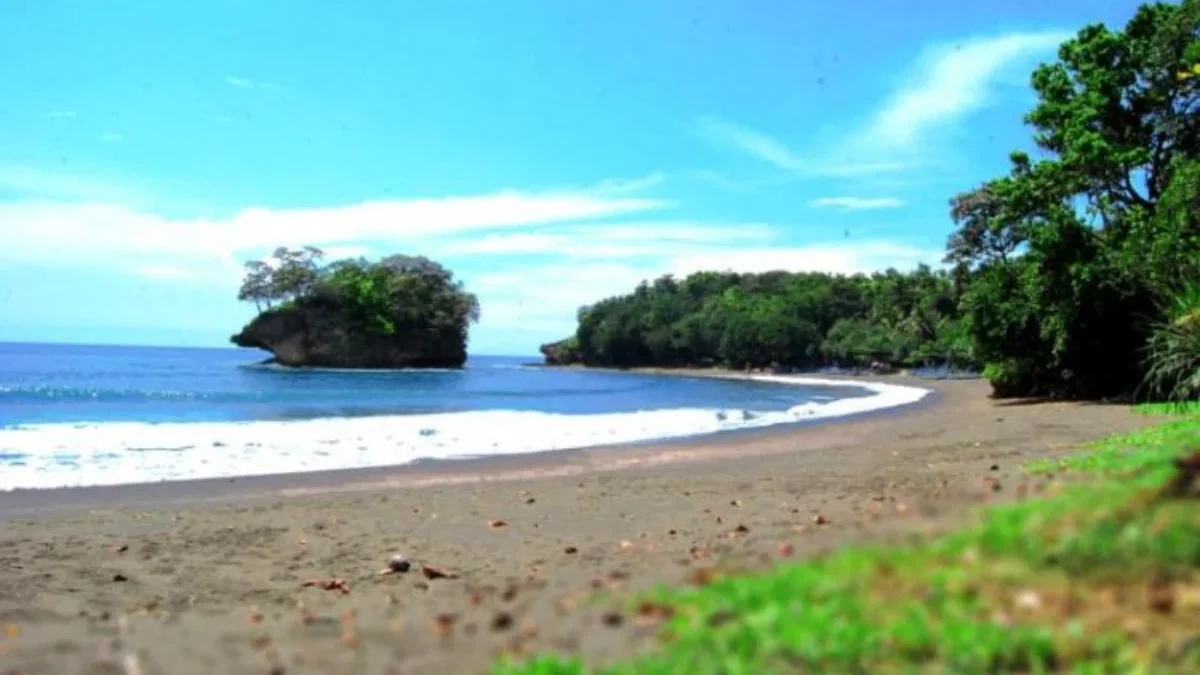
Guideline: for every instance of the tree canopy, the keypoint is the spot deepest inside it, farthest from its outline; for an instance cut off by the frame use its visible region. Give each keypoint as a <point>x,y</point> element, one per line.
<point>1070,254</point>
<point>776,318</point>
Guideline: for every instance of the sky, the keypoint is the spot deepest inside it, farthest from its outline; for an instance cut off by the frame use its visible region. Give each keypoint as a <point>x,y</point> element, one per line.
<point>550,153</point>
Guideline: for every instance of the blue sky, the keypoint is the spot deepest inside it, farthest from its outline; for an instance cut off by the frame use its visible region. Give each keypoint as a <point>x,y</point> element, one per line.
<point>550,153</point>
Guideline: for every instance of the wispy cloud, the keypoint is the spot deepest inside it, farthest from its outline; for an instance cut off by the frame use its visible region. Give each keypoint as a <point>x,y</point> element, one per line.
<point>161,272</point>
<point>951,80</point>
<point>790,164</point>
<point>247,83</point>
<point>621,240</point>
<point>112,137</point>
<point>620,186</point>
<point>32,184</point>
<point>943,85</point>
<point>94,232</point>
<point>750,141</point>
<point>856,203</point>
<point>60,114</point>
<point>533,257</point>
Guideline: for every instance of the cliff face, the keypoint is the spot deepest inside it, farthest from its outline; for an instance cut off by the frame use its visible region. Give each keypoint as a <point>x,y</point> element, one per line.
<point>562,353</point>
<point>322,335</point>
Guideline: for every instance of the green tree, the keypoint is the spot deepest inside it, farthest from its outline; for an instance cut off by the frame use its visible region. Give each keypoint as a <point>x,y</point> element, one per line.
<point>1067,253</point>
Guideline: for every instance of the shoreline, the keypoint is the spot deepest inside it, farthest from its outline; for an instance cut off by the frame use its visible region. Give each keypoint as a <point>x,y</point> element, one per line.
<point>898,394</point>
<point>210,577</point>
<point>41,502</point>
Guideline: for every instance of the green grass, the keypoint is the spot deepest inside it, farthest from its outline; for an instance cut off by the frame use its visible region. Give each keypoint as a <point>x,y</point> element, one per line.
<point>1078,580</point>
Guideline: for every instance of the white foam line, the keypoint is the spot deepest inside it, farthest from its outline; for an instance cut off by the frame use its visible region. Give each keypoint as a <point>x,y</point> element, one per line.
<point>71,455</point>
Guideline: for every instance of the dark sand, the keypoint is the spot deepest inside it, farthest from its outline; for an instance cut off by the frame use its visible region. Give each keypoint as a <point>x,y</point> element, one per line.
<point>206,577</point>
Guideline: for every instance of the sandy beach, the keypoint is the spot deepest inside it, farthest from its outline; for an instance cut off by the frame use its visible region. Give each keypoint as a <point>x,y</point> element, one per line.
<point>508,555</point>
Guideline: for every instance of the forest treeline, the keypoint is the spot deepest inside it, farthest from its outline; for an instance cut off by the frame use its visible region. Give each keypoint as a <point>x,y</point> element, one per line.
<point>1076,274</point>
<point>775,319</point>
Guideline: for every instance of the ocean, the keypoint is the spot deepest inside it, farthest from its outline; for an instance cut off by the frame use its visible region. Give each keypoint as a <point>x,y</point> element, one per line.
<point>74,415</point>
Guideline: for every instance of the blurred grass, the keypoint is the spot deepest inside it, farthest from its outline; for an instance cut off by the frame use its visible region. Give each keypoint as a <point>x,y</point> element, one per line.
<point>1100,575</point>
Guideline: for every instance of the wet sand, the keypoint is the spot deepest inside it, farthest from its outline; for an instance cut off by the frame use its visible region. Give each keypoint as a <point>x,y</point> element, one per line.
<point>208,576</point>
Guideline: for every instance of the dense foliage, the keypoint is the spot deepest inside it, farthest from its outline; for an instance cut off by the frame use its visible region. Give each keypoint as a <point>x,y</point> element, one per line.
<point>1066,271</point>
<point>1070,254</point>
<point>777,318</point>
<point>400,307</point>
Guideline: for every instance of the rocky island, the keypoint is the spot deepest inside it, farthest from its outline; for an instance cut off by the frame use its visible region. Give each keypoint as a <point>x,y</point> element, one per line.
<point>399,312</point>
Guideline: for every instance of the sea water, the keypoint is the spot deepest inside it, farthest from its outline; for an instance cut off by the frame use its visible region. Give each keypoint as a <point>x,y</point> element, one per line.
<point>74,415</point>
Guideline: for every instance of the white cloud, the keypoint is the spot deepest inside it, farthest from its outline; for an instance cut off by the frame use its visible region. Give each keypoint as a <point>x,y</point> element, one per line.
<point>950,81</point>
<point>612,240</point>
<point>622,186</point>
<point>161,272</point>
<point>112,137</point>
<point>96,233</point>
<point>36,183</point>
<point>943,85</point>
<point>857,203</point>
<point>532,257</point>
<point>60,114</point>
<point>247,83</point>
<point>755,143</point>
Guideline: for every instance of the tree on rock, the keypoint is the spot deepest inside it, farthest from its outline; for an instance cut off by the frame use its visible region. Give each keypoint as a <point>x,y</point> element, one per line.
<point>400,311</point>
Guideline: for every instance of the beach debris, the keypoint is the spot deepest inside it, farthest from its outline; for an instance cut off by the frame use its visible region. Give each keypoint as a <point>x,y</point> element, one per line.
<point>12,630</point>
<point>397,564</point>
<point>736,502</point>
<point>255,616</point>
<point>652,613</point>
<point>570,550</point>
<point>118,578</point>
<point>1028,601</point>
<point>820,519</point>
<point>625,545</point>
<point>332,584</point>
<point>785,550</point>
<point>502,621</point>
<point>1160,596</point>
<point>741,529</point>
<point>990,483</point>
<point>613,619</point>
<point>443,624</point>
<point>497,524</point>
<point>703,576</point>
<point>529,630</point>
<point>672,532</point>
<point>698,552</point>
<point>120,549</point>
<point>994,467</point>
<point>531,500</point>
<point>432,573</point>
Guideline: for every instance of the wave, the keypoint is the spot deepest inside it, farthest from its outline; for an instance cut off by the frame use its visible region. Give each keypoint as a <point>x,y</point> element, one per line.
<point>71,455</point>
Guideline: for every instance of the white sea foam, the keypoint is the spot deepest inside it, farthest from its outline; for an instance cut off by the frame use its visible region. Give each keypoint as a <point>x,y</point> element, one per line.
<point>60,455</point>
